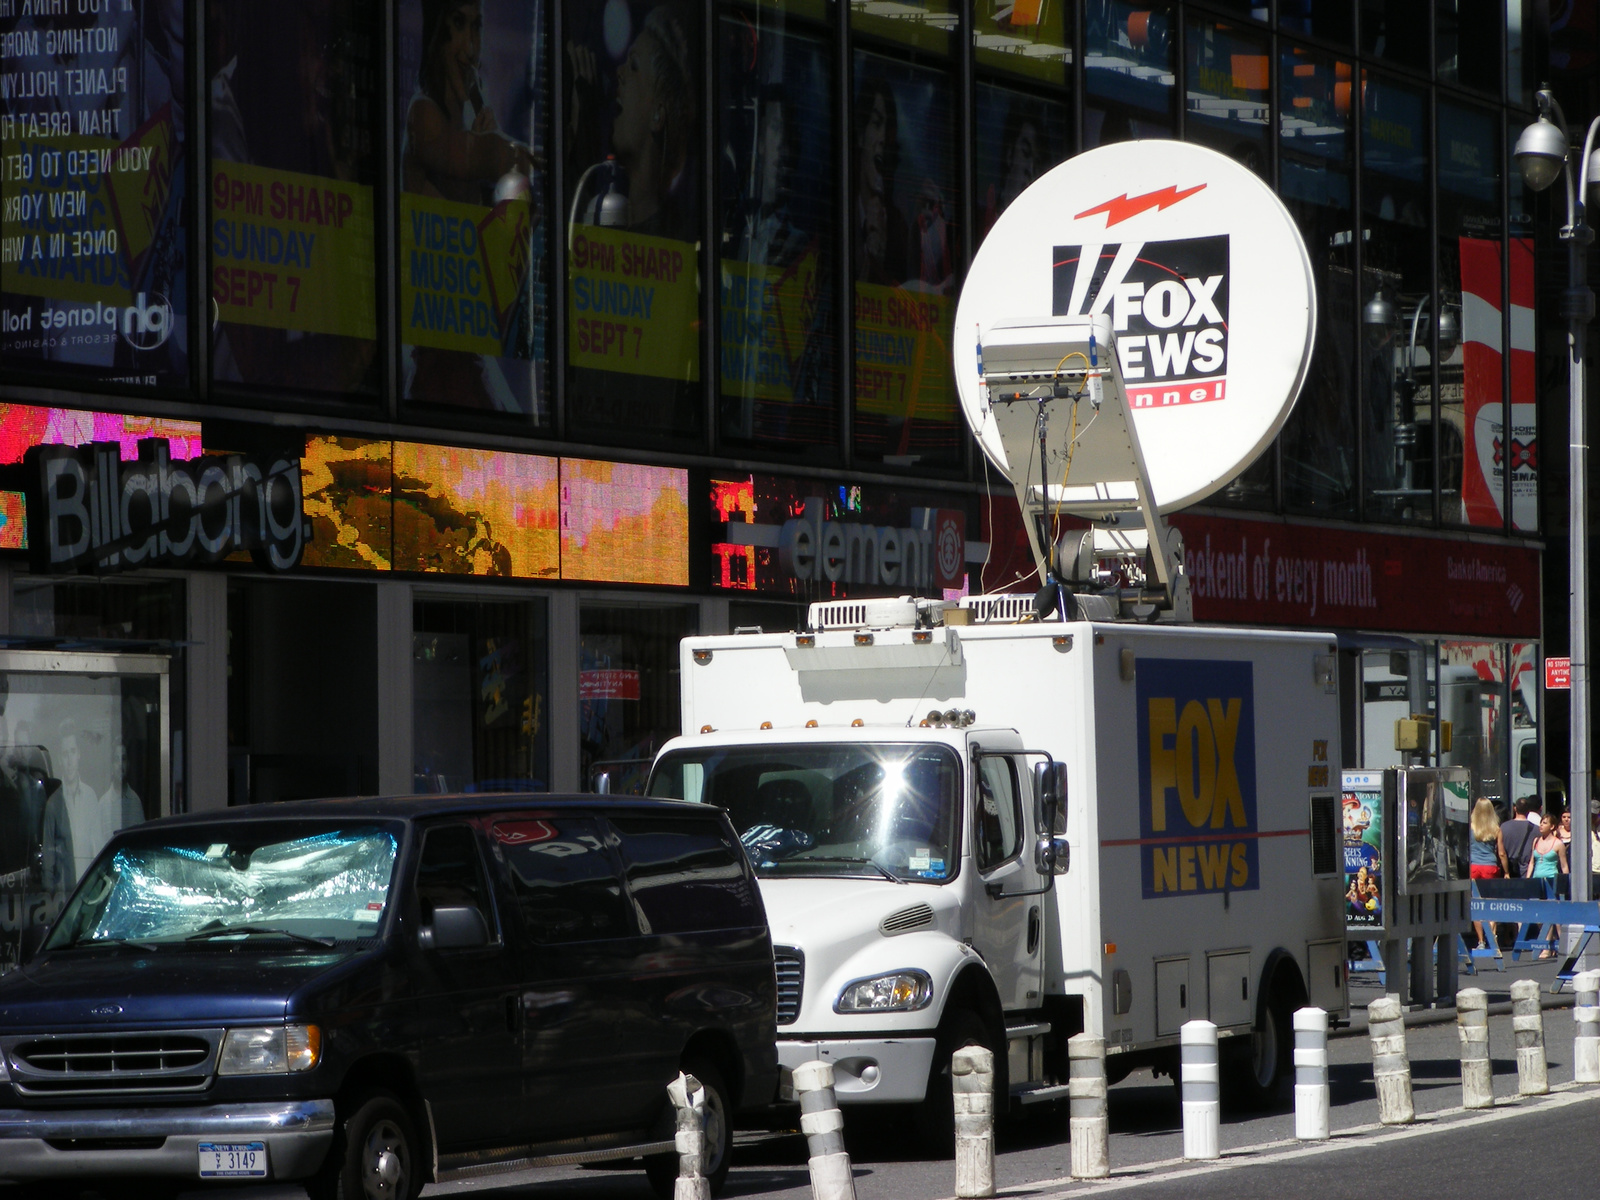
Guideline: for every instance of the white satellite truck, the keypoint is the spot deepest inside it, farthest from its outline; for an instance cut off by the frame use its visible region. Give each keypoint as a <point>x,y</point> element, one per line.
<point>1012,818</point>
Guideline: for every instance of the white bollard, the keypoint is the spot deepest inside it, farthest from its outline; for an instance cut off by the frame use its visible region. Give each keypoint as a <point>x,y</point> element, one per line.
<point>823,1124</point>
<point>1527,1025</point>
<point>1477,1072</point>
<point>689,1098</point>
<point>1312,1102</point>
<point>1391,1068</point>
<point>1586,1015</point>
<point>1086,1091</point>
<point>1202,1103</point>
<point>972,1088</point>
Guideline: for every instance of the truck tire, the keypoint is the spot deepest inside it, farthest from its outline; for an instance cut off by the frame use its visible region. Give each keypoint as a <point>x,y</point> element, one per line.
<point>934,1119</point>
<point>375,1154</point>
<point>662,1169</point>
<point>1257,1065</point>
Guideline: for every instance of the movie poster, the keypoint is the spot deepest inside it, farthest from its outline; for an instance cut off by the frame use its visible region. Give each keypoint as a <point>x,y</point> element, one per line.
<point>633,79</point>
<point>777,333</point>
<point>1363,849</point>
<point>93,265</point>
<point>472,98</point>
<point>293,163</point>
<point>906,243</point>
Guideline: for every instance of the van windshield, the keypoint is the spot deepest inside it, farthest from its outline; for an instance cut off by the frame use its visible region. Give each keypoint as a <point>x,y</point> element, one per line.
<point>309,883</point>
<point>851,809</point>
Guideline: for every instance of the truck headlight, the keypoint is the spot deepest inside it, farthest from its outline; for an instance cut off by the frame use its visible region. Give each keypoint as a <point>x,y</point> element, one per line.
<point>270,1050</point>
<point>902,991</point>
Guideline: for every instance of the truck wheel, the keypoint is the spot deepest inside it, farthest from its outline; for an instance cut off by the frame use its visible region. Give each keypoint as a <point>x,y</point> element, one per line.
<point>374,1156</point>
<point>935,1119</point>
<point>1258,1064</point>
<point>662,1169</point>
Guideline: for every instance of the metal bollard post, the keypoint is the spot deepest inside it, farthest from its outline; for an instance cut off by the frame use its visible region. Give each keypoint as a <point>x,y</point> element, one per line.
<point>1202,1104</point>
<point>1312,1101</point>
<point>1391,1069</point>
<point>972,1085</point>
<point>689,1098</point>
<point>1477,1072</point>
<point>1086,1090</point>
<point>1586,1015</point>
<point>1527,1024</point>
<point>823,1124</point>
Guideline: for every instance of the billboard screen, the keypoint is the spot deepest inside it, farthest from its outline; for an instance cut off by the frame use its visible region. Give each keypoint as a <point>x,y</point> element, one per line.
<point>623,523</point>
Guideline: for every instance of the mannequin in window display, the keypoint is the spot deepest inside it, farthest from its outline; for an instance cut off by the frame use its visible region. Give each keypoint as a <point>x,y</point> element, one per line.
<point>120,801</point>
<point>77,821</point>
<point>652,124</point>
<point>454,150</point>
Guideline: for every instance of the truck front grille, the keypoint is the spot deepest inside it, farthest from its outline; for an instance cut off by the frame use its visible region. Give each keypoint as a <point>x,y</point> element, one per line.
<point>79,1064</point>
<point>791,969</point>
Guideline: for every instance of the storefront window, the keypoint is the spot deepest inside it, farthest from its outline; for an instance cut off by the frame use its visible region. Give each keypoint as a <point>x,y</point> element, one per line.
<point>634,82</point>
<point>1025,41</point>
<point>1397,284</point>
<point>777,316</point>
<point>83,753</point>
<point>1468,37</point>
<point>472,89</point>
<point>1129,61</point>
<point>1021,135</point>
<point>1396,30</point>
<point>1316,181</point>
<point>1228,94</point>
<point>1331,20</point>
<point>1395,684</point>
<point>907,242</point>
<point>95,214</point>
<point>628,687</point>
<point>1527,775</point>
<point>1473,699</point>
<point>293,164</point>
<point>146,610</point>
<point>480,693</point>
<point>1473,449</point>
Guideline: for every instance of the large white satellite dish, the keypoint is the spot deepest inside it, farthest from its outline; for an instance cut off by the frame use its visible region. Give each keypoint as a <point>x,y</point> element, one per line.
<point>1206,285</point>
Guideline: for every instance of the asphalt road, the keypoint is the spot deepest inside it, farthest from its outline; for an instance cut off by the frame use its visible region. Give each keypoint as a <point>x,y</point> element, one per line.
<point>1530,1147</point>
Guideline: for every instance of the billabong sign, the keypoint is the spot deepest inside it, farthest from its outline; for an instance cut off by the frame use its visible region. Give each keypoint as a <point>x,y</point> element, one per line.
<point>90,511</point>
<point>1206,283</point>
<point>1197,777</point>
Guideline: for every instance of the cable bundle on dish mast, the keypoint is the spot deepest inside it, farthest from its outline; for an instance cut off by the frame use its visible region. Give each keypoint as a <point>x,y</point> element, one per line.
<point>1142,319</point>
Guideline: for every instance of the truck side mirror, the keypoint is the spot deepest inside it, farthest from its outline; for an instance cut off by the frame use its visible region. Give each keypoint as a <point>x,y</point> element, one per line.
<point>455,927</point>
<point>1050,797</point>
<point>1053,856</point>
<point>600,783</point>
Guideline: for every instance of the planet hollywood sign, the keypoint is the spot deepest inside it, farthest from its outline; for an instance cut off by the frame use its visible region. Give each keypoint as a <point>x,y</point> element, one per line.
<point>90,511</point>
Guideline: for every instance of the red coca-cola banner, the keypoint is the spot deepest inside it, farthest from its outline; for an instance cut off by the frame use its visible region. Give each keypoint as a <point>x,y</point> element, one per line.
<point>1273,573</point>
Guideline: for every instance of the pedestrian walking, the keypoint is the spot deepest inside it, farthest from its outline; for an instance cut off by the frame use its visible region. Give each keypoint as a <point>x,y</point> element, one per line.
<point>1488,853</point>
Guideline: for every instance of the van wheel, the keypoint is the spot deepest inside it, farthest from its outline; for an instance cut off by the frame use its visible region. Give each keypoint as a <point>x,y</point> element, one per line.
<point>934,1121</point>
<point>1258,1064</point>
<point>662,1169</point>
<point>374,1155</point>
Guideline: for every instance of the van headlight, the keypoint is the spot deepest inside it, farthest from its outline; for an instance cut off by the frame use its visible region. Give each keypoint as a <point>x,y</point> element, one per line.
<point>902,991</point>
<point>270,1050</point>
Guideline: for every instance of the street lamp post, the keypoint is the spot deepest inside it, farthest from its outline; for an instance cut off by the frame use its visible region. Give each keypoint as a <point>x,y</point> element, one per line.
<point>1543,153</point>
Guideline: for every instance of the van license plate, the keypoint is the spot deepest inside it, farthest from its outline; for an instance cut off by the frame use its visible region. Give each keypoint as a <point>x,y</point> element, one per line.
<point>233,1160</point>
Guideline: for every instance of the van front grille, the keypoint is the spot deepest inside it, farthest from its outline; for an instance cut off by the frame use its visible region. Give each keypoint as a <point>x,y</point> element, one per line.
<point>112,1062</point>
<point>791,968</point>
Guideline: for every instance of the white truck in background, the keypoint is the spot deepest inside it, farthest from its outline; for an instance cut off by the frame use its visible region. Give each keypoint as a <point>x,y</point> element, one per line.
<point>1012,818</point>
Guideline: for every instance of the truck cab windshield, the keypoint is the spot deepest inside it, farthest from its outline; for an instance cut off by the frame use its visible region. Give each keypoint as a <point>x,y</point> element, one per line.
<point>851,809</point>
<point>272,884</point>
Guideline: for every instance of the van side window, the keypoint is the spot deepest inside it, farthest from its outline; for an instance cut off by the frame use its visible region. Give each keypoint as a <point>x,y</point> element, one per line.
<point>998,825</point>
<point>450,873</point>
<point>686,876</point>
<point>563,880</point>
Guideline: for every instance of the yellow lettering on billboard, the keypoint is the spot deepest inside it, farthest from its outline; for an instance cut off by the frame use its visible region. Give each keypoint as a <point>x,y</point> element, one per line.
<point>634,302</point>
<point>1164,860</point>
<point>1229,803</point>
<point>1197,763</point>
<point>903,353</point>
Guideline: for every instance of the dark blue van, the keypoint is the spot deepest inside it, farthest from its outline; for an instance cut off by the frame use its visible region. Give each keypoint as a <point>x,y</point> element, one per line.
<point>368,995</point>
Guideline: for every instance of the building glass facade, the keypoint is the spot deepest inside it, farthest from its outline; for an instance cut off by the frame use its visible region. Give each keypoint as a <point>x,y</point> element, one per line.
<point>582,303</point>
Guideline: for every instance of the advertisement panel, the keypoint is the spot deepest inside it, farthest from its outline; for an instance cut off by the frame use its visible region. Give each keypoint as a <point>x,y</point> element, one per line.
<point>624,523</point>
<point>93,260</point>
<point>801,537</point>
<point>1363,849</point>
<point>1245,572</point>
<point>1197,777</point>
<point>473,242</point>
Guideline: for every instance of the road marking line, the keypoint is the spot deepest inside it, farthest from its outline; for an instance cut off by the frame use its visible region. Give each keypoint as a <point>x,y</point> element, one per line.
<point>1267,1153</point>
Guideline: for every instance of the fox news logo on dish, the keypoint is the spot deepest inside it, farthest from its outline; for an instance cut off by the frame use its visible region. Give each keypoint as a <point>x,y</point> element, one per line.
<point>1168,303</point>
<point>1197,777</point>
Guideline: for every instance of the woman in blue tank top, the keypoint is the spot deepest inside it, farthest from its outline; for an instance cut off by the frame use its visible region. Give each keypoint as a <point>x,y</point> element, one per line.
<point>1548,860</point>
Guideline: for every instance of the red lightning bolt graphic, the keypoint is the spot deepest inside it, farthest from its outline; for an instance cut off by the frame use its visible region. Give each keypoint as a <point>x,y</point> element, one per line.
<point>1122,208</point>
